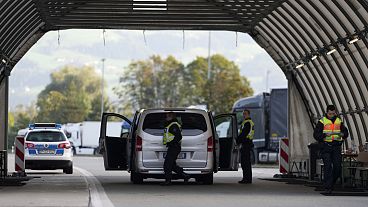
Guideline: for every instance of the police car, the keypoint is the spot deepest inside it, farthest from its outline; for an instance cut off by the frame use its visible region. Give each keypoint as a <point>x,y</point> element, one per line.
<point>47,148</point>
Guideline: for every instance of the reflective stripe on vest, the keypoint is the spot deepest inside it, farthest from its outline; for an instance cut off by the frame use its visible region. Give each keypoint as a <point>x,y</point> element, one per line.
<point>251,132</point>
<point>168,137</point>
<point>330,127</point>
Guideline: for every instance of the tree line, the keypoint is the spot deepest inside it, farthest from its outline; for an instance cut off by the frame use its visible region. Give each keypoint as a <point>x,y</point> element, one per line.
<point>74,93</point>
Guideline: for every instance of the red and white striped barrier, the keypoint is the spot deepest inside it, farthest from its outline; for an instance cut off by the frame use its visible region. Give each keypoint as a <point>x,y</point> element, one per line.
<point>19,154</point>
<point>284,155</point>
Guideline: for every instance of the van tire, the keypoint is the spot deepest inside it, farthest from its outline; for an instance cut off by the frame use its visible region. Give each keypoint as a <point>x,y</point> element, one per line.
<point>136,178</point>
<point>68,170</point>
<point>206,179</point>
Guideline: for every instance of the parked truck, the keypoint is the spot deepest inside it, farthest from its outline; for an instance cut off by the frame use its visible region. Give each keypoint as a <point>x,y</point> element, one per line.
<point>269,112</point>
<point>85,135</point>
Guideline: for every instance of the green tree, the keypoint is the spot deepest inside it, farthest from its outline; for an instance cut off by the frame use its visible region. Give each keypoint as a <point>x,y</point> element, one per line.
<point>72,96</point>
<point>158,82</point>
<point>224,87</point>
<point>19,118</point>
<point>151,83</point>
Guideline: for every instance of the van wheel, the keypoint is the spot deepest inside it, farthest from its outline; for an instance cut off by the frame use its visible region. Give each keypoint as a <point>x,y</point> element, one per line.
<point>136,178</point>
<point>68,170</point>
<point>206,179</point>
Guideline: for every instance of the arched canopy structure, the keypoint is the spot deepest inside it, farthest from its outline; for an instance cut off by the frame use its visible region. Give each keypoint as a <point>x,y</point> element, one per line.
<point>321,45</point>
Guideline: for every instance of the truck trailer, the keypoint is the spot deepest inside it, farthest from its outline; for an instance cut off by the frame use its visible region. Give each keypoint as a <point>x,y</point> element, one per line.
<point>85,135</point>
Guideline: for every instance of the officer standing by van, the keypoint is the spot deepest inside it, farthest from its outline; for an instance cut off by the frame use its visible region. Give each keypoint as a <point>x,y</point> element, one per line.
<point>172,139</point>
<point>331,132</point>
<point>245,139</point>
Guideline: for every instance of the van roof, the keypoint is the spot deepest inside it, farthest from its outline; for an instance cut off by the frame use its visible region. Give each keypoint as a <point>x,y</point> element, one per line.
<point>174,109</point>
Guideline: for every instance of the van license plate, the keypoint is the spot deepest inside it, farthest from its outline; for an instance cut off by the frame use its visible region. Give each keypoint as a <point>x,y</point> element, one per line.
<point>182,155</point>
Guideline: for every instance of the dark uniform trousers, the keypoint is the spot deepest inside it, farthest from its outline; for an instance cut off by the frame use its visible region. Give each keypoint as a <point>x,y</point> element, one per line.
<point>331,155</point>
<point>170,165</point>
<point>246,162</point>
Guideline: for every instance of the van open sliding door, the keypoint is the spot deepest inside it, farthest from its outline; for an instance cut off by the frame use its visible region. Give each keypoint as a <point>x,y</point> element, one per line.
<point>227,132</point>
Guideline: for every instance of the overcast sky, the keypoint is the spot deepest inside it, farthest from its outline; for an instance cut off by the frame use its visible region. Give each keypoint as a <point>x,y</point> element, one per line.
<point>86,47</point>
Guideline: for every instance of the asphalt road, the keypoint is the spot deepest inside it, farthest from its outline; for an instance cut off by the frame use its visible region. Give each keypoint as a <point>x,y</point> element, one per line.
<point>91,185</point>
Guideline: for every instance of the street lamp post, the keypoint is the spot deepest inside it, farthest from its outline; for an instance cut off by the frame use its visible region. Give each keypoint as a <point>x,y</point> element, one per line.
<point>267,75</point>
<point>102,85</point>
<point>209,70</point>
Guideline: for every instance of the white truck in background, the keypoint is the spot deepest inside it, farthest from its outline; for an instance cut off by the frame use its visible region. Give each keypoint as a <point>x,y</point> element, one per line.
<point>85,135</point>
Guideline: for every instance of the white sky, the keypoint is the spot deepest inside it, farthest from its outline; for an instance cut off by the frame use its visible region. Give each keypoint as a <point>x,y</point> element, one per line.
<point>86,47</point>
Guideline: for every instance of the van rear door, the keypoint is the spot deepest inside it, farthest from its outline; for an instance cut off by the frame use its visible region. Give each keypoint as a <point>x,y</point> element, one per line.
<point>227,132</point>
<point>113,146</point>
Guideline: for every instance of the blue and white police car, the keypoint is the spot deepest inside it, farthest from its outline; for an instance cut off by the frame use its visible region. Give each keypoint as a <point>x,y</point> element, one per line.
<point>47,148</point>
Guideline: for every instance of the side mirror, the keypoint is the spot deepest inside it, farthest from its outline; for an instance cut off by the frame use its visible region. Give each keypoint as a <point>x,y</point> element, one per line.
<point>68,135</point>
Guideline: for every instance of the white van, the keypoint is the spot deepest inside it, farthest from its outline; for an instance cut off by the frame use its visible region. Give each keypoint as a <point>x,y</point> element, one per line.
<point>205,149</point>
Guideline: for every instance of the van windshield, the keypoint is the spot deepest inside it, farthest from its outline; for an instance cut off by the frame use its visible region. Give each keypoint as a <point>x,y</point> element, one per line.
<point>192,124</point>
<point>45,136</point>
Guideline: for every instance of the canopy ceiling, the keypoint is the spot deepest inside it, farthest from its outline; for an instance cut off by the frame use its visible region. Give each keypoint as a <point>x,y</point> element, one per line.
<point>321,45</point>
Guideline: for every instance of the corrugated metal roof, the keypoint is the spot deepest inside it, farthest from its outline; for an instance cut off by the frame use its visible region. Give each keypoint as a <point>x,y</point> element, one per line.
<point>299,30</point>
<point>298,34</point>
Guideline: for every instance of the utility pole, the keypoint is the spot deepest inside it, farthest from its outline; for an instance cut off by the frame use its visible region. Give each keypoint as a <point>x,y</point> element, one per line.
<point>209,56</point>
<point>267,75</point>
<point>102,85</point>
<point>209,70</point>
<point>156,96</point>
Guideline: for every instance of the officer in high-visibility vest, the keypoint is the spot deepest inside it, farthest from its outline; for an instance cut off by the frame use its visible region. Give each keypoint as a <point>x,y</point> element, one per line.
<point>245,139</point>
<point>331,132</point>
<point>172,139</point>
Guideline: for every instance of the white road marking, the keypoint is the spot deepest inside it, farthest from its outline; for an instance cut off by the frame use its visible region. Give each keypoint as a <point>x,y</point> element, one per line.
<point>97,195</point>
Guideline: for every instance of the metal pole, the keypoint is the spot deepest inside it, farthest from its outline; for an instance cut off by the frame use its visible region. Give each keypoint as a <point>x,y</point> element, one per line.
<point>102,85</point>
<point>156,102</point>
<point>209,70</point>
<point>267,75</point>
<point>4,93</point>
<point>209,56</point>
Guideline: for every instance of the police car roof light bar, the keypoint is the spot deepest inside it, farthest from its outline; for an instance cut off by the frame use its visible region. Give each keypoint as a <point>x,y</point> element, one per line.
<point>44,125</point>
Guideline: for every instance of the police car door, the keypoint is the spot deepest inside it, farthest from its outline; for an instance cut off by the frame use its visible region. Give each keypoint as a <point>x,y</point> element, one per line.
<point>227,132</point>
<point>113,145</point>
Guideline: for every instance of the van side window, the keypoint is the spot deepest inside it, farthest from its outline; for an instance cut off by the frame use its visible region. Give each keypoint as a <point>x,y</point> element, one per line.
<point>192,124</point>
<point>224,129</point>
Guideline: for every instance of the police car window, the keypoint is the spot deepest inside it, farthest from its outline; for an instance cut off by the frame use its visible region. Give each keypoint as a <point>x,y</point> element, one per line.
<point>46,136</point>
<point>192,124</point>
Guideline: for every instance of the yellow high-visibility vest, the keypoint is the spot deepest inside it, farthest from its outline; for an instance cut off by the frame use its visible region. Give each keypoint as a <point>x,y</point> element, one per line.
<point>168,137</point>
<point>330,127</point>
<point>250,135</point>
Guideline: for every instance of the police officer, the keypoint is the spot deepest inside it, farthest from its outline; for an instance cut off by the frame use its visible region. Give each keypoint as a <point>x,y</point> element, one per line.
<point>245,139</point>
<point>172,139</point>
<point>331,132</point>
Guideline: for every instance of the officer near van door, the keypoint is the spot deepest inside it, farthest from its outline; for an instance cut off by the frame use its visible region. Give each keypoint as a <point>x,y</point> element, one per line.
<point>331,132</point>
<point>245,139</point>
<point>172,139</point>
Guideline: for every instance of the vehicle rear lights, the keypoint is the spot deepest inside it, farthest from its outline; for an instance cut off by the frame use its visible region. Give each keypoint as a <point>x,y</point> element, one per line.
<point>138,144</point>
<point>29,145</point>
<point>64,145</point>
<point>210,144</point>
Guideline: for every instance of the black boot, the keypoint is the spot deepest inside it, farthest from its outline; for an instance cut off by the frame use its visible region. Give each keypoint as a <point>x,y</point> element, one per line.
<point>167,180</point>
<point>243,181</point>
<point>166,183</point>
<point>186,177</point>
